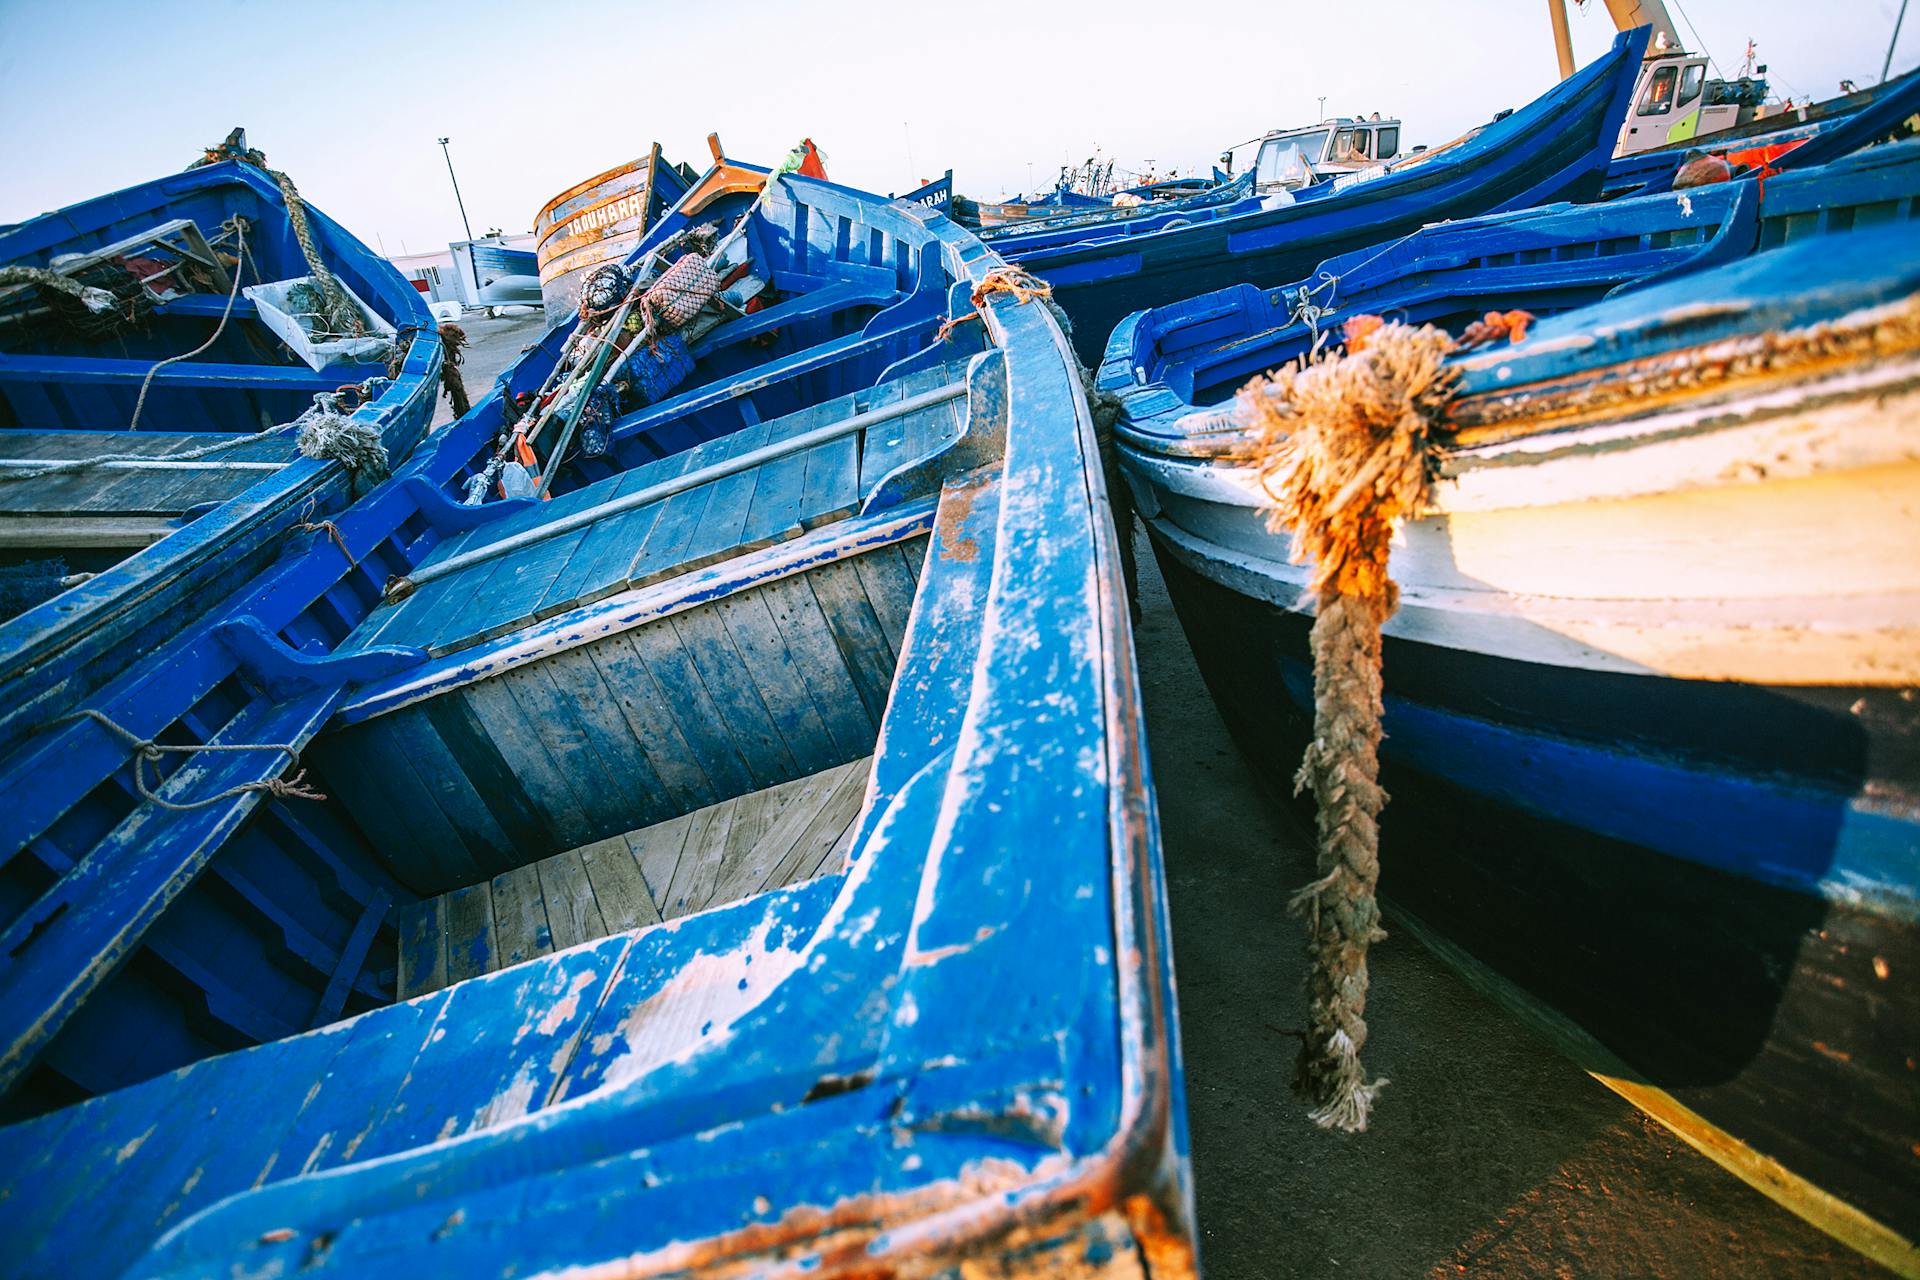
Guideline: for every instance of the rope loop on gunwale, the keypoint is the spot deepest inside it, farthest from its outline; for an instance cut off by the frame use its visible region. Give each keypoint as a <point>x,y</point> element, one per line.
<point>147,755</point>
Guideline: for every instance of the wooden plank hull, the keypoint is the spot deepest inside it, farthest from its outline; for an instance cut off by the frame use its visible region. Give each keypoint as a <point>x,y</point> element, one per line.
<point>599,220</point>
<point>1650,737</point>
<point>682,1007</point>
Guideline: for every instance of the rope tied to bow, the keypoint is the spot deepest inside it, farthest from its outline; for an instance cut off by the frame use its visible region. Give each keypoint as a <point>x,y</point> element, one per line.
<point>1024,286</point>
<point>338,310</point>
<point>1341,447</point>
<point>147,755</point>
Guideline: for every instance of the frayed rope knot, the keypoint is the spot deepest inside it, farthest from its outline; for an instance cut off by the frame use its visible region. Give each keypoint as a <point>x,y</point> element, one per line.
<point>1341,447</point>
<point>147,755</point>
<point>1010,279</point>
<point>335,437</point>
<point>1003,279</point>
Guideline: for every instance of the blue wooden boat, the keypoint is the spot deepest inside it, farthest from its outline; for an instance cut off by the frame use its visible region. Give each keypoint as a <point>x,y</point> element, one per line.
<point>600,220</point>
<point>1649,719</point>
<point>741,861</point>
<point>1887,113</point>
<point>1555,148</point>
<point>151,519</point>
<point>1072,226</point>
<point>495,273</point>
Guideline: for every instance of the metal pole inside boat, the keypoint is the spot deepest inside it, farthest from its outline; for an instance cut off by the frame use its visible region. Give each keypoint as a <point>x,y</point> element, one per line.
<point>401,587</point>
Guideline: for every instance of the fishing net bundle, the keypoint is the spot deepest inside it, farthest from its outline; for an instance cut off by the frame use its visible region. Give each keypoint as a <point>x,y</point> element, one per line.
<point>96,301</point>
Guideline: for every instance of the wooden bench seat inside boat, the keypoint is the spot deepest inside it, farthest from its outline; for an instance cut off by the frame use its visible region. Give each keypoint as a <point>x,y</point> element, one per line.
<point>719,520</point>
<point>127,503</point>
<point>764,840</point>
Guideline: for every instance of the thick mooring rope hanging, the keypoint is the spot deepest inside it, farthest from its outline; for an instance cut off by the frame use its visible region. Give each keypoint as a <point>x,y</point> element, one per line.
<point>1341,446</point>
<point>453,340</point>
<point>341,316</point>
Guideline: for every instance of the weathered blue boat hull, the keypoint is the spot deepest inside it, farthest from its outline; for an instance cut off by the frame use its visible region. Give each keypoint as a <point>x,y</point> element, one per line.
<point>1554,149</point>
<point>1075,225</point>
<point>1588,842</point>
<point>77,399</point>
<point>1652,752</point>
<point>947,1043</point>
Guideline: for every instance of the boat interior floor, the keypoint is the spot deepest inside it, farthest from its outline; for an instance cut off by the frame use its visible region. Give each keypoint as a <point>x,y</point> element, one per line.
<point>127,503</point>
<point>768,839</point>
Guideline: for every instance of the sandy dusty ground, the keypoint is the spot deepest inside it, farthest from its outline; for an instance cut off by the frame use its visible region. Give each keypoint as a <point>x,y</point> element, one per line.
<point>492,345</point>
<point>1489,1155</point>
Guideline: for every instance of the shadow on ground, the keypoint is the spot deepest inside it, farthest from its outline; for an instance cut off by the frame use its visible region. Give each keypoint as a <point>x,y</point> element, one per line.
<point>1489,1155</point>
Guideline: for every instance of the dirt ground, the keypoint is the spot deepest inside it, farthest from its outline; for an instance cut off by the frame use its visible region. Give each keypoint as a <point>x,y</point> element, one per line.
<point>1489,1154</point>
<point>492,345</point>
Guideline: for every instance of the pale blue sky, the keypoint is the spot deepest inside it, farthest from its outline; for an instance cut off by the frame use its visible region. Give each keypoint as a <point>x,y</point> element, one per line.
<point>348,96</point>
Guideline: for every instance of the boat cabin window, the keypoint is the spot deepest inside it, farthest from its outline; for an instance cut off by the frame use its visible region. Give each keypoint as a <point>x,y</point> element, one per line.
<point>1658,99</point>
<point>1289,161</point>
<point>1691,82</point>
<point>1388,145</point>
<point>1343,147</point>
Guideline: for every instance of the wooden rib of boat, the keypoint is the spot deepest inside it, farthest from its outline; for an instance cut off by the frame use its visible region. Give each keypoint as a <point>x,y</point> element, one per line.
<point>1555,148</point>
<point>203,490</point>
<point>1650,725</point>
<point>741,861</point>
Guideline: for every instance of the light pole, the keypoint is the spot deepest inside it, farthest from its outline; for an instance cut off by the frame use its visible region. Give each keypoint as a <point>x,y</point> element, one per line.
<point>456,189</point>
<point>1888,64</point>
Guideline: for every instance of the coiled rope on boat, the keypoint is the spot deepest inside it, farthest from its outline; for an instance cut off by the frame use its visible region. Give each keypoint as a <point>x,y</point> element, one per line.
<point>238,225</point>
<point>147,755</point>
<point>1341,446</point>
